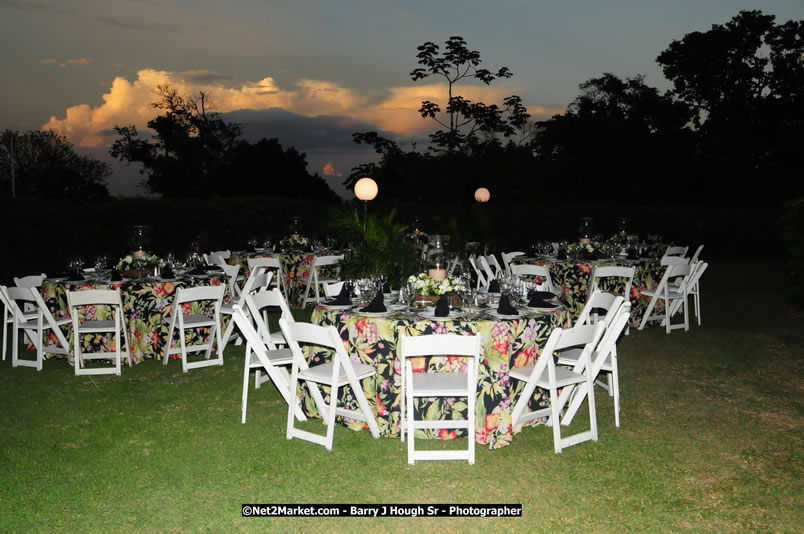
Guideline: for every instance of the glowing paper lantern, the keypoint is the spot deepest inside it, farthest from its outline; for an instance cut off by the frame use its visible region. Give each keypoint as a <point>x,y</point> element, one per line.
<point>482,194</point>
<point>366,189</point>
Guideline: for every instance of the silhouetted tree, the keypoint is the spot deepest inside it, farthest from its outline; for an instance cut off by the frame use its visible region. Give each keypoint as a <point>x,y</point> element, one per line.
<point>743,81</point>
<point>194,152</point>
<point>619,140</point>
<point>46,164</point>
<point>466,119</point>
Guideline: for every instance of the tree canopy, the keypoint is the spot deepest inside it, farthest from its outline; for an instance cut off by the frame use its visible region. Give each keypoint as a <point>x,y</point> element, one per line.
<point>194,152</point>
<point>46,164</point>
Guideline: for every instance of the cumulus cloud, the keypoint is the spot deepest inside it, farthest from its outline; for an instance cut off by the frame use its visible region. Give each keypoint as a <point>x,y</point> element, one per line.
<point>129,102</point>
<point>329,170</point>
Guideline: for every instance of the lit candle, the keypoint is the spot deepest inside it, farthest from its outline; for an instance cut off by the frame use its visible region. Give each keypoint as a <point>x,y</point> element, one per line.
<point>139,253</point>
<point>586,241</point>
<point>438,273</point>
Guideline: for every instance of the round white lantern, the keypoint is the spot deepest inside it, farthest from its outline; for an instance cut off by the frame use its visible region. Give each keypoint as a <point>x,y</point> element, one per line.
<point>482,194</point>
<point>366,189</point>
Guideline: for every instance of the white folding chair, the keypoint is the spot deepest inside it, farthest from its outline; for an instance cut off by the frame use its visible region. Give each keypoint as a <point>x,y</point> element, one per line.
<point>676,251</point>
<point>8,319</point>
<point>546,375</point>
<point>614,271</point>
<point>670,296</point>
<point>35,324</point>
<point>487,268</point>
<point>100,299</point>
<point>427,385</point>
<point>215,258</point>
<point>481,278</point>
<point>539,271</point>
<point>231,272</point>
<point>598,300</point>
<point>259,305</point>
<point>202,296</point>
<point>498,269</point>
<point>693,289</point>
<point>258,280</point>
<point>604,360</point>
<point>316,279</point>
<point>34,280</point>
<point>336,373</point>
<point>507,257</point>
<point>674,260</point>
<point>696,257</point>
<point>333,290</point>
<point>262,355</point>
<point>274,265</point>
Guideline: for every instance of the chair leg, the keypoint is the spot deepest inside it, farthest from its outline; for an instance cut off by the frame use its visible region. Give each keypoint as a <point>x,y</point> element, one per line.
<point>246,369</point>
<point>412,418</point>
<point>333,405</point>
<point>555,418</point>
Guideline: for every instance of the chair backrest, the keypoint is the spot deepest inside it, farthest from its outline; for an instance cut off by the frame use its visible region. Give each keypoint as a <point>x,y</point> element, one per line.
<point>34,280</point>
<point>540,271</point>
<point>695,273</point>
<point>28,295</point>
<point>258,279</point>
<point>674,260</point>
<point>671,272</point>
<point>599,300</point>
<point>440,345</point>
<point>508,256</point>
<point>676,251</point>
<point>333,289</point>
<point>614,330</point>
<point>193,294</point>
<point>231,272</point>
<point>560,339</point>
<point>310,334</point>
<point>614,271</point>
<point>225,254</point>
<point>109,297</point>
<point>320,261</point>
<point>271,263</point>
<point>484,263</point>
<point>258,302</point>
<point>697,254</point>
<point>495,265</point>
<point>481,278</point>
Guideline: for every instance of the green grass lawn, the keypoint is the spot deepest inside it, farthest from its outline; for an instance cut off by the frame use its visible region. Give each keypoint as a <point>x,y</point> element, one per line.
<point>710,440</point>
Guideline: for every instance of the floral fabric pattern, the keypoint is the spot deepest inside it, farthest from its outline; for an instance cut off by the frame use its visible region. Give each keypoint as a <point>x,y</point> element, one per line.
<point>575,280</point>
<point>147,310</point>
<point>505,343</point>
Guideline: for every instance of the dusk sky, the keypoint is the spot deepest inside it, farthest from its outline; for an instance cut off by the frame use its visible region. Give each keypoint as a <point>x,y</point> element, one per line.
<point>335,67</point>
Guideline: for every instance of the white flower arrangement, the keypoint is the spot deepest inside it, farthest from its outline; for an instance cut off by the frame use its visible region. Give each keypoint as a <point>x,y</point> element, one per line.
<point>425,285</point>
<point>294,241</point>
<point>595,247</point>
<point>132,262</point>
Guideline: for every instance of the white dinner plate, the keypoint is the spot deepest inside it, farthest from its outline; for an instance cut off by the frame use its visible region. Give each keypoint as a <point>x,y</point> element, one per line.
<point>494,313</point>
<point>373,314</point>
<point>430,315</point>
<point>337,306</point>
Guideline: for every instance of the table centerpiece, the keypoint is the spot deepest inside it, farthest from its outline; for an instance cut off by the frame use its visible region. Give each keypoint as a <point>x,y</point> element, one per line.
<point>139,265</point>
<point>295,242</point>
<point>431,289</point>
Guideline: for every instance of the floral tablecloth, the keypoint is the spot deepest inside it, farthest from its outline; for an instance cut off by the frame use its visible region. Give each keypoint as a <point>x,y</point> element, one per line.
<point>147,309</point>
<point>296,265</point>
<point>574,278</point>
<point>506,343</point>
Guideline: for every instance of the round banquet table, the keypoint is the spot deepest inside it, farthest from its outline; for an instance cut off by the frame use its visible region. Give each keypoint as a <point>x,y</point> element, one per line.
<point>506,343</point>
<point>147,309</point>
<point>297,266</point>
<point>574,278</point>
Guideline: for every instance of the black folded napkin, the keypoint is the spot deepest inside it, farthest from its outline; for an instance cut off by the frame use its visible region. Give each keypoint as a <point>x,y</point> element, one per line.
<point>505,308</point>
<point>167,272</point>
<point>562,254</point>
<point>198,270</point>
<point>494,286</point>
<point>116,276</point>
<point>540,295</point>
<point>386,287</point>
<point>377,305</point>
<point>76,276</point>
<point>344,298</point>
<point>538,303</point>
<point>210,267</point>
<point>442,307</point>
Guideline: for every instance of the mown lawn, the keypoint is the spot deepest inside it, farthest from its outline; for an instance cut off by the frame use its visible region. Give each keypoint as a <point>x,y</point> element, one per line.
<point>710,440</point>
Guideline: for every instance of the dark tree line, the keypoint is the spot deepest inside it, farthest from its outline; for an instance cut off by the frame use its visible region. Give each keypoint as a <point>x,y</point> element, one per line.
<point>729,131</point>
<point>193,152</point>
<point>45,164</point>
